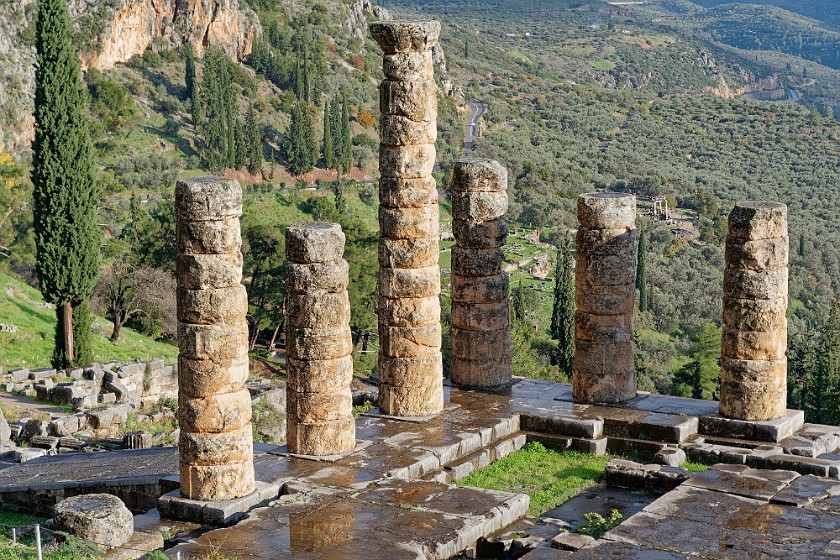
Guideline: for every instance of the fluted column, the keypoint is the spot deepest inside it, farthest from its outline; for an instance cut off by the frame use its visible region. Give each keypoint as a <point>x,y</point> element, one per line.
<point>410,362</point>
<point>319,347</point>
<point>605,284</point>
<point>214,407</point>
<point>753,380</point>
<point>481,328</point>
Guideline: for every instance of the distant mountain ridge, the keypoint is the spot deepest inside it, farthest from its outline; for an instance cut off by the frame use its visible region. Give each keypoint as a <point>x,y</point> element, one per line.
<point>826,11</point>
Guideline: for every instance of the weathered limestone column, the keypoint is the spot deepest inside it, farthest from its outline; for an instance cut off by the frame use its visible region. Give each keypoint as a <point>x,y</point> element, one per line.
<point>410,362</point>
<point>605,287</point>
<point>214,407</point>
<point>319,403</point>
<point>753,379</point>
<point>480,289</point>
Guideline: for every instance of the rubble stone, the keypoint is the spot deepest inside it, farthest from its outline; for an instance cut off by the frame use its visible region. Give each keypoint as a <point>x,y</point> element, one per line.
<point>100,518</point>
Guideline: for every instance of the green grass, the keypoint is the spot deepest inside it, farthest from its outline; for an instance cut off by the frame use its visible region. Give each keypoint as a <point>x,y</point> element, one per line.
<point>604,65</point>
<point>72,549</point>
<point>693,466</point>
<point>548,477</point>
<point>32,345</point>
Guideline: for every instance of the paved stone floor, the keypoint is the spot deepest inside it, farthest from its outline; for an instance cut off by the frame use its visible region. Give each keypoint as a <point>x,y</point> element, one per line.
<point>389,499</point>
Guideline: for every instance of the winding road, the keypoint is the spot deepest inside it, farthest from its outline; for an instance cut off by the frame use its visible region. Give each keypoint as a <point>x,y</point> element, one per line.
<point>477,108</point>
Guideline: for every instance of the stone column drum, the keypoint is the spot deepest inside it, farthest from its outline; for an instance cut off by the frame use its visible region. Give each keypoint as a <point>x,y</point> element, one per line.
<point>214,407</point>
<point>481,327</point>
<point>410,361</point>
<point>753,379</point>
<point>319,347</point>
<point>605,293</point>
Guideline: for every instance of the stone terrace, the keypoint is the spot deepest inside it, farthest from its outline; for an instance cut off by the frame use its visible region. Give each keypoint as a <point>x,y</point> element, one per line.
<point>389,497</point>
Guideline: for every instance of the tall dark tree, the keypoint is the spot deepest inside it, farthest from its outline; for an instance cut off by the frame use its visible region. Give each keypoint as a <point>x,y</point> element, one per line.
<point>641,272</point>
<point>65,195</point>
<point>329,149</point>
<point>218,118</point>
<point>190,78</point>
<point>299,142</point>
<point>346,136</point>
<point>563,312</point>
<point>822,393</point>
<point>253,142</point>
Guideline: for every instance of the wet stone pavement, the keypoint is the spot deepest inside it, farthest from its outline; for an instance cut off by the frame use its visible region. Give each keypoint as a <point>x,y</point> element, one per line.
<point>778,496</point>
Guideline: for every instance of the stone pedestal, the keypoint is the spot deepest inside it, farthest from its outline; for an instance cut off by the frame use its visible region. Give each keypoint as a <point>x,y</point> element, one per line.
<point>319,347</point>
<point>753,381</point>
<point>481,329</point>
<point>214,407</point>
<point>410,362</point>
<point>605,288</point>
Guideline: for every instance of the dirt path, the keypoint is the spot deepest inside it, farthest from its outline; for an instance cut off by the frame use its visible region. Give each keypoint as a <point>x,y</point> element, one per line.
<point>16,406</point>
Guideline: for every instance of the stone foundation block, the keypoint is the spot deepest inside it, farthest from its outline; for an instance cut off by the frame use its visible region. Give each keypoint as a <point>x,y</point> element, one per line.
<point>221,513</point>
<point>409,283</point>
<point>310,408</point>
<point>204,272</point>
<point>323,438</point>
<point>408,162</point>
<point>224,306</point>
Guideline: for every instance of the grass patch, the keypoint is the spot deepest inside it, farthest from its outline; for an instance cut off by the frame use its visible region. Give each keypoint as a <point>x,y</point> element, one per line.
<point>604,65</point>
<point>548,477</point>
<point>32,345</point>
<point>694,466</point>
<point>72,549</point>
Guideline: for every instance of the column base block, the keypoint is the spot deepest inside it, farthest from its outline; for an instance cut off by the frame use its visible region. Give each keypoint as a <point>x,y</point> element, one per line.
<point>223,513</point>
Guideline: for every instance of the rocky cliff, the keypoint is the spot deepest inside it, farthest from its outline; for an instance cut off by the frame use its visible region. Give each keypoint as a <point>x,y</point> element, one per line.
<point>115,30</point>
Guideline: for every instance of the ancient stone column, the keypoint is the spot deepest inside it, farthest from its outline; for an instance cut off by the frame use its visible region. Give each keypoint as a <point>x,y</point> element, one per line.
<point>753,378</point>
<point>410,362</point>
<point>214,407</point>
<point>480,334</point>
<point>319,404</point>
<point>605,292</point>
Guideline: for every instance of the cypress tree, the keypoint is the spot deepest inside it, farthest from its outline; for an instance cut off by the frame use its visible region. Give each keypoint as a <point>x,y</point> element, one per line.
<point>65,194</point>
<point>801,245</point>
<point>563,312</point>
<point>300,151</point>
<point>189,71</point>
<point>335,131</point>
<point>329,151</point>
<point>346,139</point>
<point>240,152</point>
<point>824,384</point>
<point>641,273</point>
<point>253,141</point>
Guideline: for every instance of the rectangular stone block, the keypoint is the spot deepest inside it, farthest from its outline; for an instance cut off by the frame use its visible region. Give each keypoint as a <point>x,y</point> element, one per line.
<point>398,130</point>
<point>308,408</point>
<point>608,350</point>
<point>215,306</point>
<point>309,278</point>
<point>753,284</point>
<point>481,316</point>
<point>412,283</point>
<point>423,400</point>
<point>203,272</point>
<point>471,262</point>
<point>314,242</point>
<point>316,310</point>
<point>416,100</point>
<point>212,342</point>
<point>216,449</point>
<point>753,345</point>
<point>318,344</point>
<point>407,162</point>
<point>408,253</point>
<point>480,373</point>
<point>407,193</point>
<point>480,345</point>
<point>408,342</point>
<point>760,254</point>
<point>607,210</point>
<point>209,237</point>
<point>217,482</point>
<point>758,220</point>
<point>606,242</point>
<point>319,376</point>
<point>486,289</point>
<point>409,312</point>
<point>214,414</point>
<point>477,207</point>
<point>411,372</point>
<point>205,377</point>
<point>323,438</point>
<point>764,430</point>
<point>410,223</point>
<point>491,234</point>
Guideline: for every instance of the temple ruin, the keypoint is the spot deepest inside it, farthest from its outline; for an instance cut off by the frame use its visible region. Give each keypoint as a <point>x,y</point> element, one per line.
<point>319,370</point>
<point>481,328</point>
<point>753,377</point>
<point>605,285</point>
<point>410,361</point>
<point>214,407</point>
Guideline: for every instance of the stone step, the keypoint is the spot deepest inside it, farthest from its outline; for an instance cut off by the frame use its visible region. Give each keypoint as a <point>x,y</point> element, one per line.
<point>480,459</point>
<point>596,446</point>
<point>710,454</point>
<point>598,421</point>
